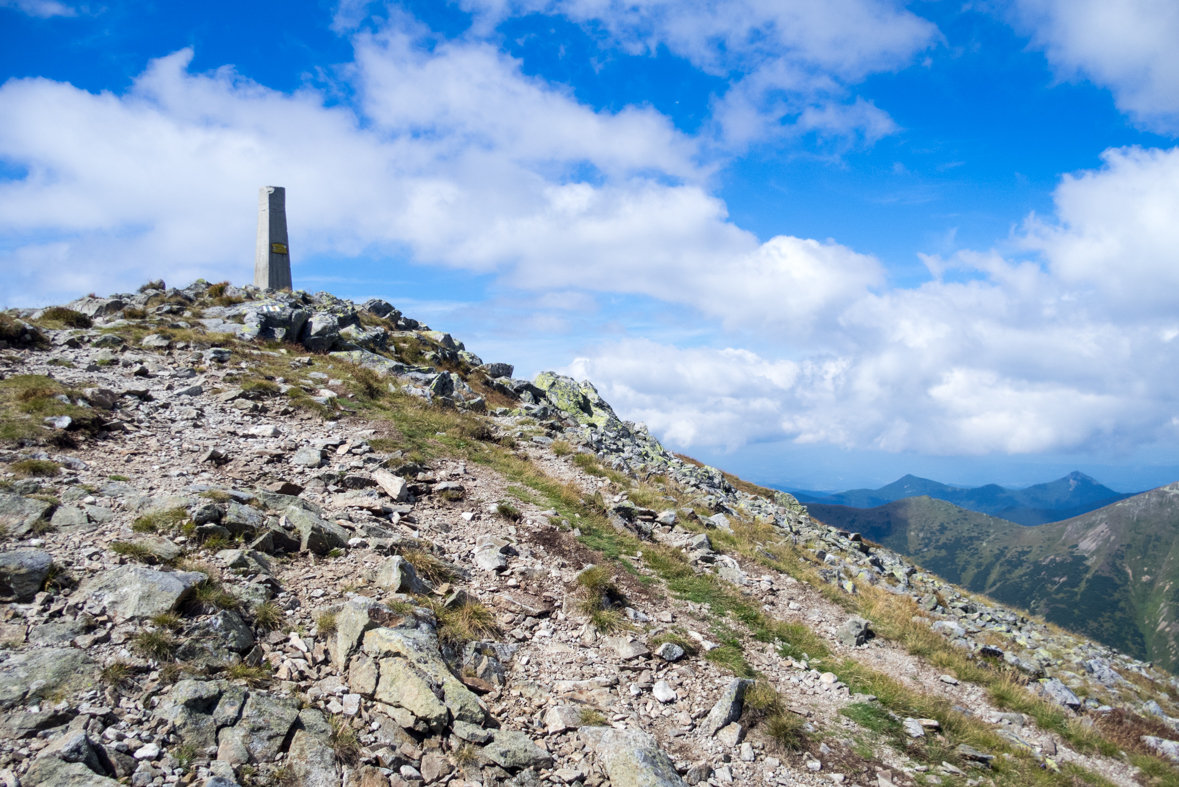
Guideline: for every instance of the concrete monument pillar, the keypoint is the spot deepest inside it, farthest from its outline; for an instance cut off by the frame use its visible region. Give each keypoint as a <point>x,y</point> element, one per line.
<point>272,258</point>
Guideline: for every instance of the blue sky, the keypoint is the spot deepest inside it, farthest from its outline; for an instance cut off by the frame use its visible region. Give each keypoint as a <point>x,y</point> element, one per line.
<point>821,245</point>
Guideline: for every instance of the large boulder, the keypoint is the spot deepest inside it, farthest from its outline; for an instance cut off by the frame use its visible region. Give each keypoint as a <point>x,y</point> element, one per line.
<point>216,640</point>
<point>1057,692</point>
<point>190,707</point>
<point>315,534</point>
<point>382,309</point>
<point>632,758</point>
<point>274,320</point>
<point>97,307</point>
<point>320,332</point>
<point>854,632</point>
<point>419,647</point>
<point>312,757</point>
<point>403,686</point>
<point>397,575</point>
<point>19,514</point>
<point>23,573</point>
<point>580,400</point>
<point>139,592</point>
<point>28,676</point>
<point>515,750</point>
<point>259,734</point>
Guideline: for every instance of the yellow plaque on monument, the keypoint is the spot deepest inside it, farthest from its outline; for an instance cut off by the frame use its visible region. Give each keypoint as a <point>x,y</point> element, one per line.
<point>278,248</point>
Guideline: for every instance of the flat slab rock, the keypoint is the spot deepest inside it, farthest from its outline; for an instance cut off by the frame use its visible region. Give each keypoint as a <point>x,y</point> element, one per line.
<point>139,592</point>
<point>33,674</point>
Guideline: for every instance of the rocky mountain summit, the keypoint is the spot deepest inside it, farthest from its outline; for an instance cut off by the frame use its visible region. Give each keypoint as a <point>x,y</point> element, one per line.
<point>269,538</point>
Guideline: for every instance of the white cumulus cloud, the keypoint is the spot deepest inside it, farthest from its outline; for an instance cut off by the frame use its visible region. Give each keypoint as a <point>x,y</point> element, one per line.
<point>1127,46</point>
<point>1073,351</point>
<point>790,63</point>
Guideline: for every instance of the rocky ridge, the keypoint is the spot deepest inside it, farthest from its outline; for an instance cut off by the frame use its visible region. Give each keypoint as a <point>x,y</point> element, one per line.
<point>279,538</point>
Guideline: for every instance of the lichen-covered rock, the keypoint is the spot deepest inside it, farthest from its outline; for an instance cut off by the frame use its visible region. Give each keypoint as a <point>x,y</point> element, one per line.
<point>419,646</point>
<point>19,514</point>
<point>33,674</point>
<point>632,758</point>
<point>579,400</point>
<point>514,750</point>
<point>312,758</point>
<point>259,734</point>
<point>403,686</point>
<point>139,592</point>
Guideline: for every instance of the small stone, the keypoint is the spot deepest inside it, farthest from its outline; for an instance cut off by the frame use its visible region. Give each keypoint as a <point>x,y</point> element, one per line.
<point>663,692</point>
<point>747,753</point>
<point>669,651</point>
<point>561,718</point>
<point>913,728</point>
<point>950,679</point>
<point>149,752</point>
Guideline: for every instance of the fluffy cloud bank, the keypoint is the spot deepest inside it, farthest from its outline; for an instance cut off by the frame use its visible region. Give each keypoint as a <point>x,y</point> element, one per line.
<point>450,156</point>
<point>1079,352</point>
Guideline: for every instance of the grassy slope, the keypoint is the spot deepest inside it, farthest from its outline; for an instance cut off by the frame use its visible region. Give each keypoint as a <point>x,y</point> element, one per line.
<point>1112,574</point>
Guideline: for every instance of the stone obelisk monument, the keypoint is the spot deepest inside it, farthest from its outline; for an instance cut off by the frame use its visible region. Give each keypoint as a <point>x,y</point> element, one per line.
<point>272,257</point>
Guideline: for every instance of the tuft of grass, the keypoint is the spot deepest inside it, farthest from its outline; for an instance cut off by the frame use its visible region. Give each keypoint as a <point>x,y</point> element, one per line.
<point>168,620</point>
<point>368,383</point>
<point>325,623</point>
<point>588,717</point>
<point>34,468</point>
<point>602,598</point>
<point>428,567</point>
<point>133,551</point>
<point>263,388</point>
<point>164,519</point>
<point>116,674</point>
<point>68,318</point>
<point>873,716</point>
<point>337,552</point>
<point>344,741</point>
<point>465,755</point>
<point>118,477</point>
<point>209,596</point>
<point>248,674</point>
<point>217,495</point>
<point>156,644</point>
<point>452,495</point>
<point>608,621</point>
<point>268,616</point>
<point>785,730</point>
<point>508,512</point>
<point>561,448</point>
<point>465,623</point>
<point>184,754</point>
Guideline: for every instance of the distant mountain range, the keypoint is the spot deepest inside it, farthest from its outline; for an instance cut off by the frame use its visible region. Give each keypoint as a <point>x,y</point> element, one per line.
<point>1065,498</point>
<point>1111,573</point>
